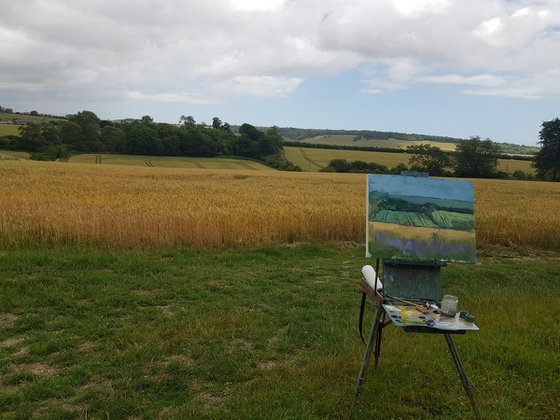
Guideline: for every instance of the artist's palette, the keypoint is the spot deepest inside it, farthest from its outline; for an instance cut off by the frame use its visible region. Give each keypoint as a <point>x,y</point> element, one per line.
<point>406,315</point>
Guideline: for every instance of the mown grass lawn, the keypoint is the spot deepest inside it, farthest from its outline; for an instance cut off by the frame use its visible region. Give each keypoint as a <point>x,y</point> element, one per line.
<point>267,332</point>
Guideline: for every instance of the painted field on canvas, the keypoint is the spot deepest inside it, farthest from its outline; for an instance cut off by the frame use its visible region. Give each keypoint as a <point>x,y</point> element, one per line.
<point>421,218</point>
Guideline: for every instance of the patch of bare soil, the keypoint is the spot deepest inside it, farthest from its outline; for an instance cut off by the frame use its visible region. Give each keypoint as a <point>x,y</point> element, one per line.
<point>271,364</point>
<point>181,358</point>
<point>166,412</point>
<point>86,347</point>
<point>52,402</point>
<point>7,320</point>
<point>268,364</point>
<point>242,343</point>
<point>22,352</point>
<point>40,369</point>
<point>166,310</point>
<point>11,342</point>
<point>208,398</point>
<point>146,292</point>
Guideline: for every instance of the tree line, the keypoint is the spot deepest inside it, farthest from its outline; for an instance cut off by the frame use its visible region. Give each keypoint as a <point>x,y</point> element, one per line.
<point>473,158</point>
<point>86,132</point>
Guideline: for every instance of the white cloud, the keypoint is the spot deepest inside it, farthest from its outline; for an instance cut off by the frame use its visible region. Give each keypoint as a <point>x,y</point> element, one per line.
<point>380,86</point>
<point>260,85</point>
<point>180,97</point>
<point>412,8</point>
<point>485,80</point>
<point>257,5</point>
<point>174,51</point>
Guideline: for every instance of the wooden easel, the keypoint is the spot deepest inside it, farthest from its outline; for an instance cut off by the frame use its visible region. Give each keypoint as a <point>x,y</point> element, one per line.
<point>418,281</point>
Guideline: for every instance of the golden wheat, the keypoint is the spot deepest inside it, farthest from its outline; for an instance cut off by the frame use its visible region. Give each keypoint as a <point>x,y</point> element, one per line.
<point>146,207</point>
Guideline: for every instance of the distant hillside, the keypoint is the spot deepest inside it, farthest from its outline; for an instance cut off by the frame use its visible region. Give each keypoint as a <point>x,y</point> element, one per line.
<point>382,139</point>
<point>11,120</point>
<point>304,133</point>
<point>20,118</point>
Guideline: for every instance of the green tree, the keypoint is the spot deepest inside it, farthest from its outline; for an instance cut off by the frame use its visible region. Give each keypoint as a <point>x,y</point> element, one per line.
<point>427,158</point>
<point>142,139</point>
<point>113,138</point>
<point>147,120</point>
<point>476,158</point>
<point>71,135</point>
<point>396,170</point>
<point>187,121</point>
<point>271,143</point>
<point>42,140</point>
<point>547,160</point>
<point>31,138</point>
<point>216,123</point>
<point>87,138</point>
<point>248,142</point>
<point>169,136</point>
<point>338,165</point>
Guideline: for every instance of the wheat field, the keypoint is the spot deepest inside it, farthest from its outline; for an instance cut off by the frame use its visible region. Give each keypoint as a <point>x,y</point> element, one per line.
<point>137,207</point>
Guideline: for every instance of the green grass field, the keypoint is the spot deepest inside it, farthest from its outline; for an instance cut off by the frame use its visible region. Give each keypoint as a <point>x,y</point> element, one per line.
<point>24,117</point>
<point>9,130</point>
<point>310,159</point>
<point>170,162</point>
<point>266,332</point>
<point>13,130</point>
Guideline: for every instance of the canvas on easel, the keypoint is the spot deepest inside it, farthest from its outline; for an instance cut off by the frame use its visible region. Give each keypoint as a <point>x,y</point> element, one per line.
<point>420,218</point>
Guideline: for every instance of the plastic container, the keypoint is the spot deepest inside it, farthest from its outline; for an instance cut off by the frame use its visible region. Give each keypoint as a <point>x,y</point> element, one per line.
<point>449,305</point>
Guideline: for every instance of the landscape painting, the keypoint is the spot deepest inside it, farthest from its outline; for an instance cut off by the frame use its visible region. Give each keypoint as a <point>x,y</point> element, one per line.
<point>420,218</point>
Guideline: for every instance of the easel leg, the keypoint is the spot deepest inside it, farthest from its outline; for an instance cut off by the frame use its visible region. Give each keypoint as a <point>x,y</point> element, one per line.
<point>369,348</point>
<point>462,374</point>
<point>378,341</point>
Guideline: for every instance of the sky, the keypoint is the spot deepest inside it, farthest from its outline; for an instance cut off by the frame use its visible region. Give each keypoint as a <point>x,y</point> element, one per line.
<point>458,68</point>
<point>447,189</point>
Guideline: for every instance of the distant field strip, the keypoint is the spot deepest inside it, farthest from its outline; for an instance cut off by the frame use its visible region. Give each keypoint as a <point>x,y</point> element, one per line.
<point>348,140</point>
<point>170,162</point>
<point>321,157</point>
<point>137,206</point>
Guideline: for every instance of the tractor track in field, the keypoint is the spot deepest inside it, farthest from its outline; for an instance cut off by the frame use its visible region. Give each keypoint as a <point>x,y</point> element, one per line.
<point>150,164</point>
<point>198,164</point>
<point>98,159</point>
<point>308,159</point>
<point>245,166</point>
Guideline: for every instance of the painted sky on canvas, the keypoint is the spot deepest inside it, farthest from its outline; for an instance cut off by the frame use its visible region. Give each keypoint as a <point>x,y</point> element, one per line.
<point>451,189</point>
<point>442,67</point>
